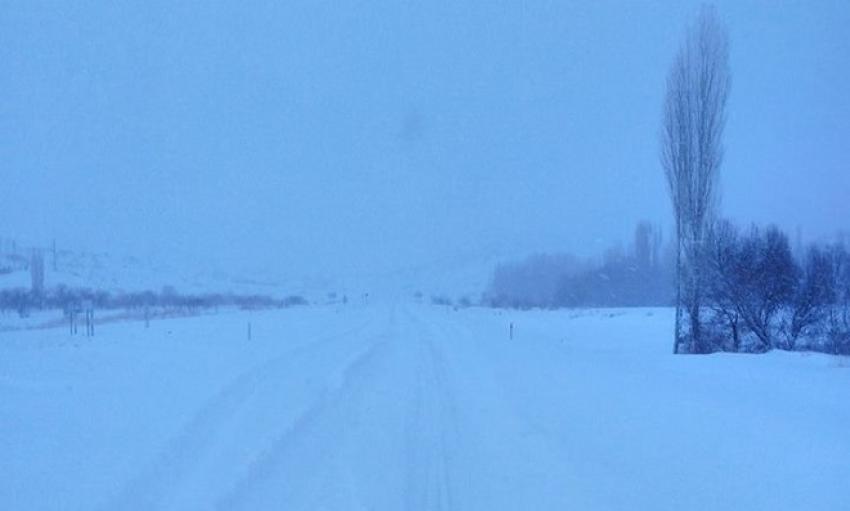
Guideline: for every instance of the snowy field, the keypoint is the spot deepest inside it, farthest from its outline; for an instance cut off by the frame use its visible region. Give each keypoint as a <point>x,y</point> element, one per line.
<point>415,407</point>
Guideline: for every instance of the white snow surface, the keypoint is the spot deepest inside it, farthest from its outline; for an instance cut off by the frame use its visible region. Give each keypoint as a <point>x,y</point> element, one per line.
<point>406,406</point>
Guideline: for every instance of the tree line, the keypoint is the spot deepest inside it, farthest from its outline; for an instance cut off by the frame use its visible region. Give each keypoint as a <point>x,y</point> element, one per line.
<point>23,301</point>
<point>639,275</point>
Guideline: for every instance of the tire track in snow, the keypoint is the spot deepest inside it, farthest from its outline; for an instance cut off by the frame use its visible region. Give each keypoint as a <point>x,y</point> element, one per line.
<point>394,405</point>
<point>513,459</point>
<point>388,415</point>
<point>155,487</point>
<point>326,462</point>
<point>431,429</point>
<point>264,468</point>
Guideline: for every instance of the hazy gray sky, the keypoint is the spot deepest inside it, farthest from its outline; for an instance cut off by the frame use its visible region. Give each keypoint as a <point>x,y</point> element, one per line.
<point>362,135</point>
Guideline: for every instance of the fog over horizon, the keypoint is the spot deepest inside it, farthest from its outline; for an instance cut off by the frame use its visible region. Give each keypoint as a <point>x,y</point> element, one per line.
<point>304,138</point>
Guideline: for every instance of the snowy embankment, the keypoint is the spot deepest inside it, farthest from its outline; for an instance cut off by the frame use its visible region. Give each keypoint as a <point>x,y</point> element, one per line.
<point>414,407</point>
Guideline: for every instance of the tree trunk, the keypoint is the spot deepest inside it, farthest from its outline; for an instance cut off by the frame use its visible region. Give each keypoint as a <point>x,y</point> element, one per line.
<point>736,341</point>
<point>677,333</point>
<point>695,333</point>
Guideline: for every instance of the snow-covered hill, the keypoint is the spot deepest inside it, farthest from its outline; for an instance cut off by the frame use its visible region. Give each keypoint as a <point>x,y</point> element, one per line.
<point>127,273</point>
<point>454,278</point>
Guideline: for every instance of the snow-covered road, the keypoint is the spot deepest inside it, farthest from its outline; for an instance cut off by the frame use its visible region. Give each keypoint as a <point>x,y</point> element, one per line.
<point>415,407</point>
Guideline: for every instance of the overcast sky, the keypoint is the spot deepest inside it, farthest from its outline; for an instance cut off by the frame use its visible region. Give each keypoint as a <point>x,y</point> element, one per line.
<point>343,136</point>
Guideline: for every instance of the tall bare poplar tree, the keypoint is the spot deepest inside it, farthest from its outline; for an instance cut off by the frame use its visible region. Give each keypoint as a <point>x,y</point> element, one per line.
<point>691,153</point>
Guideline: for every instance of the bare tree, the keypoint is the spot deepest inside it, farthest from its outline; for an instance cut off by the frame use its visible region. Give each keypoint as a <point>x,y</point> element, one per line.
<point>691,152</point>
<point>767,277</point>
<point>724,286</point>
<point>813,294</point>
